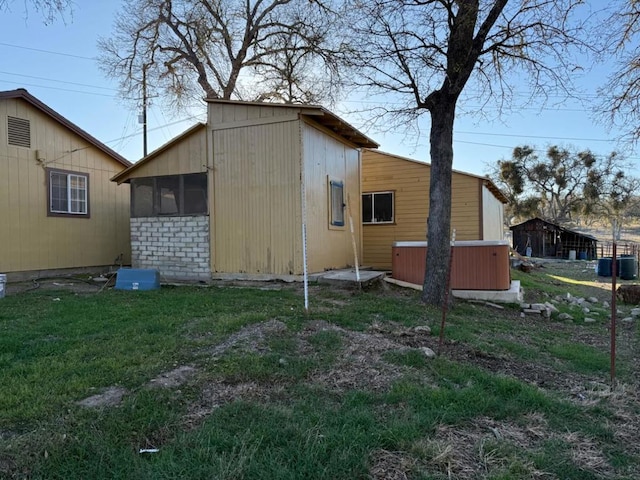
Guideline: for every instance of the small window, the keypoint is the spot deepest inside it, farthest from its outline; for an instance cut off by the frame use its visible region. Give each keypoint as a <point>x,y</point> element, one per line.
<point>68,193</point>
<point>18,132</point>
<point>377,207</point>
<point>337,203</point>
<point>169,195</point>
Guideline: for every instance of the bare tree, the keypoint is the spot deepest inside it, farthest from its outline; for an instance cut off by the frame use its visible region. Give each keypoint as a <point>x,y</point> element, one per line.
<point>244,49</point>
<point>49,9</point>
<point>621,94</point>
<point>425,52</point>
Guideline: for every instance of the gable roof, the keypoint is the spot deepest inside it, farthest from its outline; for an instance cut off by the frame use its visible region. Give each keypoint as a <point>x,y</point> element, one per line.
<point>492,187</point>
<point>123,176</point>
<point>318,114</point>
<point>23,94</point>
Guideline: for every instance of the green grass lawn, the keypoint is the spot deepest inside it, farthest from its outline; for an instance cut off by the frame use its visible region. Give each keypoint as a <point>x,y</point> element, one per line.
<point>343,392</point>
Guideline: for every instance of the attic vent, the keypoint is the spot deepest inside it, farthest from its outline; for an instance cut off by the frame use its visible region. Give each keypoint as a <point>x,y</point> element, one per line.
<point>19,132</point>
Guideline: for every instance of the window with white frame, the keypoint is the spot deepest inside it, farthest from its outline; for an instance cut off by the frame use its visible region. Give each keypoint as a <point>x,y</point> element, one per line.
<point>68,193</point>
<point>336,200</point>
<point>377,207</point>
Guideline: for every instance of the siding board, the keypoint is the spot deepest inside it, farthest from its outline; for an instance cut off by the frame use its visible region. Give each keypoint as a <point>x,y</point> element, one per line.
<point>31,240</point>
<point>257,199</point>
<point>326,158</point>
<point>410,182</point>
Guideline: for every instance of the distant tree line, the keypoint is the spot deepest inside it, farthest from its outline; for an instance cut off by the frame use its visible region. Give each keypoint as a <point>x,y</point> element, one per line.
<point>566,185</point>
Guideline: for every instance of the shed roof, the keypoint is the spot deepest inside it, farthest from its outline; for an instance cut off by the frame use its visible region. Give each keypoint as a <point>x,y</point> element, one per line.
<point>555,225</point>
<point>319,114</point>
<point>487,181</point>
<point>23,94</point>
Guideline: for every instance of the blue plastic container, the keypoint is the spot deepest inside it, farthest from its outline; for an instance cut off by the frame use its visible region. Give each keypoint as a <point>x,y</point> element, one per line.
<point>604,267</point>
<point>137,279</point>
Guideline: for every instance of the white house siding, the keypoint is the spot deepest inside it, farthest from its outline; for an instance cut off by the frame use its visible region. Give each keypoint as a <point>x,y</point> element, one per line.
<point>492,216</point>
<point>178,247</point>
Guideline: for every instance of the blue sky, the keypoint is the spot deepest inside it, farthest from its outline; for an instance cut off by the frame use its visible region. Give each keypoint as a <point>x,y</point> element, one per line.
<point>56,63</point>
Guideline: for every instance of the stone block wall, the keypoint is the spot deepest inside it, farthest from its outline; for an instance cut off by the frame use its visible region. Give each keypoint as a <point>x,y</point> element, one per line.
<point>178,247</point>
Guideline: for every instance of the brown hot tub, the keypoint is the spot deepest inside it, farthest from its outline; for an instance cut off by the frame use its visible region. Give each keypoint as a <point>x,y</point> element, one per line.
<point>477,264</point>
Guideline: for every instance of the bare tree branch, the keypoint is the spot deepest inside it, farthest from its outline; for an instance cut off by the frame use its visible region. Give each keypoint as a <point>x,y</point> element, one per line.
<point>49,9</point>
<point>222,49</point>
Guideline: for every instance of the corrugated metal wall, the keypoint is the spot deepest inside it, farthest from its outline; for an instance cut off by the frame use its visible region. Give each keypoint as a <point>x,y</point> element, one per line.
<point>256,213</point>
<point>29,239</point>
<point>328,158</point>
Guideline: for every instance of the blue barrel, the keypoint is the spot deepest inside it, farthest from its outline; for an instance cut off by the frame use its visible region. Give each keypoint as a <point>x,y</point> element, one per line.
<point>604,267</point>
<point>628,267</point>
<point>582,255</point>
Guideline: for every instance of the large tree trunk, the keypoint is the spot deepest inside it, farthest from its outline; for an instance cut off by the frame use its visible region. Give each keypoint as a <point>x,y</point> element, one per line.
<point>439,221</point>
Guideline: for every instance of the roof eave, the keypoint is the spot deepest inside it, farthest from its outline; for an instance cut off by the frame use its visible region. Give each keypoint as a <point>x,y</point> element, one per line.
<point>319,114</point>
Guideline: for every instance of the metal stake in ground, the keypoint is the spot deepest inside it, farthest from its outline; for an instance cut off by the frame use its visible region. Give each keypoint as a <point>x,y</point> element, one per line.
<point>614,272</point>
<point>445,305</point>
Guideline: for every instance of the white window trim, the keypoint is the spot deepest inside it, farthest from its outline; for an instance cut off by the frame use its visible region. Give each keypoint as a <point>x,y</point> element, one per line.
<point>84,201</point>
<point>393,207</point>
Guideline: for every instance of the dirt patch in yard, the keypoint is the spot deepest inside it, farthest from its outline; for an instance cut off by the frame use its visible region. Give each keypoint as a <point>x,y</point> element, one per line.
<point>109,397</point>
<point>173,378</point>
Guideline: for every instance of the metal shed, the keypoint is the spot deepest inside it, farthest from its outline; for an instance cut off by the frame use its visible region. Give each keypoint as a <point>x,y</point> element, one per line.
<point>259,191</point>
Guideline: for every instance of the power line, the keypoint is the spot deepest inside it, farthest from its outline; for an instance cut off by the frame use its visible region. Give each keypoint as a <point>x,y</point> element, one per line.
<point>58,88</point>
<point>510,147</point>
<point>59,81</point>
<point>544,137</point>
<point>47,51</point>
<point>193,117</point>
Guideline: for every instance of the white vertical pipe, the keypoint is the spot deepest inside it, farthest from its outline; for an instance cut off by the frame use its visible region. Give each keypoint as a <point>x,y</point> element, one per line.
<point>303,206</point>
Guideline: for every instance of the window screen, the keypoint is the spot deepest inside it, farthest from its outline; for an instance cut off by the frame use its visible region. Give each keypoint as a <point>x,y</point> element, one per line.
<point>195,194</point>
<point>142,197</point>
<point>169,195</point>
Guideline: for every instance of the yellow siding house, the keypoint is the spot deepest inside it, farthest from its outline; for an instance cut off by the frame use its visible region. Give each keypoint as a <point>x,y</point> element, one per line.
<point>395,205</point>
<point>239,195</point>
<point>58,208</point>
